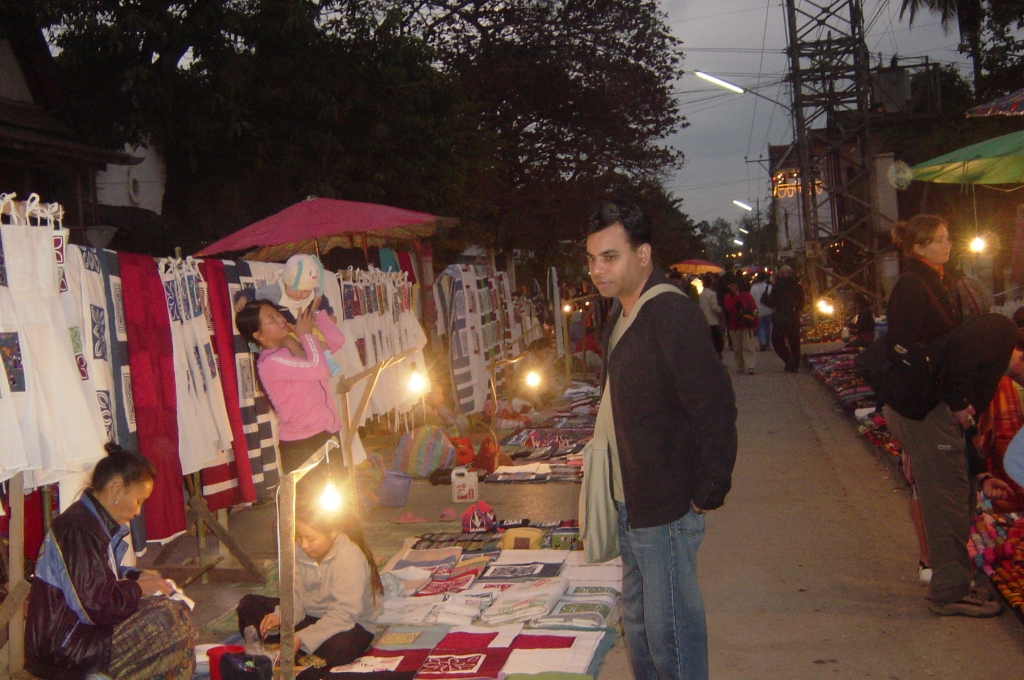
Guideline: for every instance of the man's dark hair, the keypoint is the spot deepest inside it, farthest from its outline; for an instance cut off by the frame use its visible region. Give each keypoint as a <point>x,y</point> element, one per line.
<point>630,216</point>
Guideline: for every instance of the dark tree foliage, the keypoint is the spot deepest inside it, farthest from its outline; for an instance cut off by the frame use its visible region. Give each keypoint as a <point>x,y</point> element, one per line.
<point>577,93</point>
<point>256,105</point>
<point>515,117</point>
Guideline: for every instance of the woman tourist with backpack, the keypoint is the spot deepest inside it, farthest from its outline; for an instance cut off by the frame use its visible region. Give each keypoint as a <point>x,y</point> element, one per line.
<point>741,314</point>
<point>921,311</point>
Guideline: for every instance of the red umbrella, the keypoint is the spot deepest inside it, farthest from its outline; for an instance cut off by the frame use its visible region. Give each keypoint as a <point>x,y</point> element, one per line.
<point>321,224</point>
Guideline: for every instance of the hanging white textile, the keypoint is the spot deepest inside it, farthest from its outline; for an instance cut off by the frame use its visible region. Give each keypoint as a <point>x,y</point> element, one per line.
<point>12,449</point>
<point>60,426</point>
<point>85,306</point>
<point>204,431</point>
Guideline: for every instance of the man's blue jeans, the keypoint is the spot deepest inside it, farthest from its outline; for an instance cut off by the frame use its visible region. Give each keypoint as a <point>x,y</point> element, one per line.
<point>662,608</point>
<point>764,331</point>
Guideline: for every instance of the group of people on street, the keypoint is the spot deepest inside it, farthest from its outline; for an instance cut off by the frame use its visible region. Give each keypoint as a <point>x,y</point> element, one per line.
<point>756,316</point>
<point>669,406</point>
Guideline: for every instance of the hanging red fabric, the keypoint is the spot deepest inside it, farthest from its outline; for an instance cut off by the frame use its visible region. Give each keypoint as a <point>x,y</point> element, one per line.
<point>151,357</point>
<point>218,488</point>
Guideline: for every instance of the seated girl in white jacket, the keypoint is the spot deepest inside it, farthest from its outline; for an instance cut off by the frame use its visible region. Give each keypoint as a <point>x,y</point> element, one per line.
<point>336,584</point>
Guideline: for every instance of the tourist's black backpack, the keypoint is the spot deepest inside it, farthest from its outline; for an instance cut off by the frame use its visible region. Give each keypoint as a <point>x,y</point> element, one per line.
<point>902,375</point>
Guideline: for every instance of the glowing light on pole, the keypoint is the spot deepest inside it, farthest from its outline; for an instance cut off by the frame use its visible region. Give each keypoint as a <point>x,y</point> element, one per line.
<point>737,241</point>
<point>825,307</point>
<point>533,379</point>
<point>978,245</point>
<point>743,205</point>
<point>330,499</point>
<point>718,81</point>
<point>417,384</point>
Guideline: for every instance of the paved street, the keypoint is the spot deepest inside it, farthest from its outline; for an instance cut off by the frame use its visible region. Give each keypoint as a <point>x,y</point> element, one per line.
<point>809,571</point>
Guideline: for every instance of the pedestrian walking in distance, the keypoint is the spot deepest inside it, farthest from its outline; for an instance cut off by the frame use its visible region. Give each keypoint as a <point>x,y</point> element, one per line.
<point>671,444</point>
<point>786,299</point>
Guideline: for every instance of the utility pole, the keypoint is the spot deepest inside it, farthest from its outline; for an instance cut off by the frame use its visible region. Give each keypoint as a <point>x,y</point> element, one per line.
<point>829,71</point>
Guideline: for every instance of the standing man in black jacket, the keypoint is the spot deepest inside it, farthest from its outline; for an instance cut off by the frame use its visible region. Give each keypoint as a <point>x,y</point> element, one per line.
<point>787,303</point>
<point>673,448</point>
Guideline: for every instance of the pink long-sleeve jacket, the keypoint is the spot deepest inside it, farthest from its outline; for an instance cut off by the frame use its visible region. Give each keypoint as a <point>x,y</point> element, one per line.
<point>299,389</point>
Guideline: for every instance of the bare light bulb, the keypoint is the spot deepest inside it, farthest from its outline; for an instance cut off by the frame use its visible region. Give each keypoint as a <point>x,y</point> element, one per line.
<point>567,309</point>
<point>533,379</point>
<point>417,384</point>
<point>977,244</point>
<point>825,307</point>
<point>330,499</point>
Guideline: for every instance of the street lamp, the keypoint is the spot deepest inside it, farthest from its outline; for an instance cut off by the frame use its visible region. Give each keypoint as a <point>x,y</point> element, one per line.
<point>737,89</point>
<point>743,205</point>
<point>737,241</point>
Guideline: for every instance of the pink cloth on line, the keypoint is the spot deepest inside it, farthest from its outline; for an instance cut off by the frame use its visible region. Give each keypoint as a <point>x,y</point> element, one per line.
<point>299,389</point>
<point>222,313</point>
<point>151,357</point>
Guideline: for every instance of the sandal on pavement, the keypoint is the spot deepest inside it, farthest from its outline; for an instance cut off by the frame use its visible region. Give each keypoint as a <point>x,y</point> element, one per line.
<point>971,606</point>
<point>448,515</point>
<point>409,518</point>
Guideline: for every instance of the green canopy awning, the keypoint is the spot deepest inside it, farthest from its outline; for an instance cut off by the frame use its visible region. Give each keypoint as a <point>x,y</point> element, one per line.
<point>994,161</point>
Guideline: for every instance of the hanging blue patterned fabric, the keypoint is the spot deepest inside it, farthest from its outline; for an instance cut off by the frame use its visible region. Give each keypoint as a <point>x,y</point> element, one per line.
<point>117,355</point>
<point>255,406</point>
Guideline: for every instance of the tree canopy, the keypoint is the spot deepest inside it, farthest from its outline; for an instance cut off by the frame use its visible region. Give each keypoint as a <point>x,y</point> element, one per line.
<point>515,116</point>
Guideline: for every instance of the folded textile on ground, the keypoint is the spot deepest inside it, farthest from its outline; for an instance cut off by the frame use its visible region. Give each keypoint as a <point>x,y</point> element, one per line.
<point>544,555</point>
<point>582,607</point>
<point>525,601</point>
<point>564,651</point>
<point>519,572</point>
<point>409,610</point>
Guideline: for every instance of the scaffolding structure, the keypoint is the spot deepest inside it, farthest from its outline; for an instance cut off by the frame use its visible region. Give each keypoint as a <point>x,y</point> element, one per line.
<point>830,73</point>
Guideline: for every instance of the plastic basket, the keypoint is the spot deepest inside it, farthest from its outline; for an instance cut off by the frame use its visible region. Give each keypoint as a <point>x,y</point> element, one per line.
<point>394,489</point>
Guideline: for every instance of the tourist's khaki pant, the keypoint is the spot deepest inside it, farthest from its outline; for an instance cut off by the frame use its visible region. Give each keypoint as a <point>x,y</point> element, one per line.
<point>944,487</point>
<point>744,347</point>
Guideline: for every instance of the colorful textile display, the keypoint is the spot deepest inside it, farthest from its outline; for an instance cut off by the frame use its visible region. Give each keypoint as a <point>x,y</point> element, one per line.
<point>231,483</point>
<point>525,601</point>
<point>252,400</point>
<point>117,336</point>
<point>475,312</point>
<point>204,431</point>
<point>424,450</point>
<point>151,356</point>
<point>60,424</point>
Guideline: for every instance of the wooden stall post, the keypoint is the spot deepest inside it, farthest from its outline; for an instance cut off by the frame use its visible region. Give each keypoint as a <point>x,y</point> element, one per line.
<point>286,556</point>
<point>16,628</point>
<point>565,335</point>
<point>286,548</point>
<point>349,425</point>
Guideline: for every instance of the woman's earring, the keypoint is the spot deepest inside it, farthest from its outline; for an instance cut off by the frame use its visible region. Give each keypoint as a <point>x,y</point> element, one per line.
<point>115,501</point>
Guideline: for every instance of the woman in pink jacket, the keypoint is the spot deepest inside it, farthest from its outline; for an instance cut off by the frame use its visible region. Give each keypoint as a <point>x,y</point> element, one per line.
<point>296,380</point>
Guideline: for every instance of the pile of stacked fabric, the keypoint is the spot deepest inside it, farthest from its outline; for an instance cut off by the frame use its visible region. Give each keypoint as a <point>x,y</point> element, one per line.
<point>485,613</point>
<point>836,370</point>
<point>997,548</point>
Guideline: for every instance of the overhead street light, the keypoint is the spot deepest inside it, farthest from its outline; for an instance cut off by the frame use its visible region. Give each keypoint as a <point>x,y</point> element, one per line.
<point>743,231</point>
<point>743,205</point>
<point>737,89</point>
<point>718,81</point>
<point>737,241</point>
